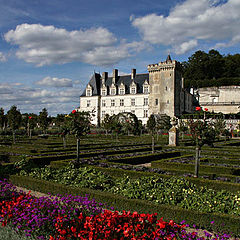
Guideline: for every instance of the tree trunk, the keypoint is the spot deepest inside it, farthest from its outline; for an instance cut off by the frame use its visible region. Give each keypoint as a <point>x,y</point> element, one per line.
<point>78,149</point>
<point>30,133</point>
<point>14,137</point>
<point>64,141</point>
<point>153,144</point>
<point>197,161</point>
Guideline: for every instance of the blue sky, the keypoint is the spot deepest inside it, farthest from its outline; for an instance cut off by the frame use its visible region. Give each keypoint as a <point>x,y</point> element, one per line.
<point>50,49</point>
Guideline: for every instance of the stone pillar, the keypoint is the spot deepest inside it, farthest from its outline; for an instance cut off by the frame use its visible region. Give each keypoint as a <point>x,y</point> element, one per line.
<point>173,137</point>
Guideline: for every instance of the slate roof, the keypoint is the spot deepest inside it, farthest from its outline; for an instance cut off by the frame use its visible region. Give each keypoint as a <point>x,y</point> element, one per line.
<point>95,82</point>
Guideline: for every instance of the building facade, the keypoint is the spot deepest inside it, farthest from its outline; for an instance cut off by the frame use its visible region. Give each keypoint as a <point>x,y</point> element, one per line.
<point>225,99</point>
<point>161,91</point>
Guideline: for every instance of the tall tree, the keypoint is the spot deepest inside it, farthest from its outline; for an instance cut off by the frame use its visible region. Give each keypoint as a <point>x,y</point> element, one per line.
<point>14,120</point>
<point>80,125</point>
<point>2,119</point>
<point>43,119</point>
<point>151,126</point>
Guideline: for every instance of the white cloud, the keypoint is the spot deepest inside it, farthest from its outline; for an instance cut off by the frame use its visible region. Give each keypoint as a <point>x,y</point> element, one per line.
<point>33,100</point>
<point>190,22</point>
<point>2,57</point>
<point>44,45</point>
<point>55,82</point>
<point>186,46</point>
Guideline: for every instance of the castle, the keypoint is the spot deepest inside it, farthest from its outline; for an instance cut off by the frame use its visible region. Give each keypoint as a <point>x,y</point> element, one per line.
<point>160,91</point>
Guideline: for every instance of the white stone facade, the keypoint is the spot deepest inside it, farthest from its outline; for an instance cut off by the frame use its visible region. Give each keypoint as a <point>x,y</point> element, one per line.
<point>225,99</point>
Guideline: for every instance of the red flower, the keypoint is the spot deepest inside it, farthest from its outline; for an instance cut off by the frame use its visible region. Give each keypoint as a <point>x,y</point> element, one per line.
<point>29,117</point>
<point>198,108</point>
<point>74,111</point>
<point>206,109</point>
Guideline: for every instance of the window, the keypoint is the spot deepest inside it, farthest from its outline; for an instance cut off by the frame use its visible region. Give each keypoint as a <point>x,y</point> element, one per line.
<point>133,101</point>
<point>88,103</point>
<point>89,91</point>
<point>112,102</point>
<point>145,101</point>
<point>166,88</point>
<point>121,91</point>
<point>145,113</point>
<point>167,101</point>
<point>133,111</point>
<point>133,90</point>
<point>156,101</point>
<point>145,89</point>
<point>103,103</point>
<point>103,114</point>
<point>121,102</point>
<point>104,92</point>
<point>113,91</point>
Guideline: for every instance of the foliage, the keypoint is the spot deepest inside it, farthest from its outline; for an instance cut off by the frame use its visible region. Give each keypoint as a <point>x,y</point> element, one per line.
<point>202,130</point>
<point>211,69</point>
<point>2,118</point>
<point>151,124</point>
<point>43,119</point>
<point>173,191</point>
<point>14,118</point>
<point>80,123</point>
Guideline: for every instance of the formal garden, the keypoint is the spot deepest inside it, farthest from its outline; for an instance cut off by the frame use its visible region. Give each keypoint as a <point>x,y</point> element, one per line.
<point>120,181</point>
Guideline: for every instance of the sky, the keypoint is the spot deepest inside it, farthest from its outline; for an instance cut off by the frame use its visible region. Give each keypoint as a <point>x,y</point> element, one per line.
<point>50,49</point>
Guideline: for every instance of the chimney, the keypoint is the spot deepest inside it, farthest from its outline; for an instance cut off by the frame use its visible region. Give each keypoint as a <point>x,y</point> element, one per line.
<point>133,74</point>
<point>115,76</point>
<point>104,77</point>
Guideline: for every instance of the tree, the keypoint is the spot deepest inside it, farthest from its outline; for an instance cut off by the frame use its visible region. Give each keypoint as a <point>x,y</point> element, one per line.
<point>43,119</point>
<point>80,125</point>
<point>202,132</point>
<point>162,122</point>
<point>151,126</point>
<point>2,119</point>
<point>65,129</point>
<point>182,128</point>
<point>14,120</point>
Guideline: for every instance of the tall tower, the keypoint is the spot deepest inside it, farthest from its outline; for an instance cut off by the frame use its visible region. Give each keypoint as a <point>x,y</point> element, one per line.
<point>165,87</point>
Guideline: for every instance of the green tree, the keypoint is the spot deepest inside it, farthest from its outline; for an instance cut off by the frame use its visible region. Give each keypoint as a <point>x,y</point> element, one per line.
<point>65,129</point>
<point>2,119</point>
<point>14,120</point>
<point>43,119</point>
<point>80,125</point>
<point>202,132</point>
<point>151,126</point>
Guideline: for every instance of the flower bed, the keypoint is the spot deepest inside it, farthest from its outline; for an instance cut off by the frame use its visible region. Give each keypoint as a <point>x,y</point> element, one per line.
<point>74,217</point>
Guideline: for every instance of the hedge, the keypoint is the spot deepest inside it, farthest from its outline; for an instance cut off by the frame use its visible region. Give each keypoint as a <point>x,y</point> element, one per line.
<point>190,167</point>
<point>45,160</point>
<point>222,222</point>
<point>141,159</point>
<point>117,172</point>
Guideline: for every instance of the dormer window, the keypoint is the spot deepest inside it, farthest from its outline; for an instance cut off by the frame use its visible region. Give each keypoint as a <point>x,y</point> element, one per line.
<point>89,90</point>
<point>133,88</point>
<point>104,92</point>
<point>121,90</point>
<point>113,90</point>
<point>146,87</point>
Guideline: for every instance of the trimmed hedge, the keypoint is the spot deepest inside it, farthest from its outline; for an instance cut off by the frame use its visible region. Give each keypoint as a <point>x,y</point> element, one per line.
<point>222,222</point>
<point>146,158</point>
<point>190,168</point>
<point>45,160</point>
